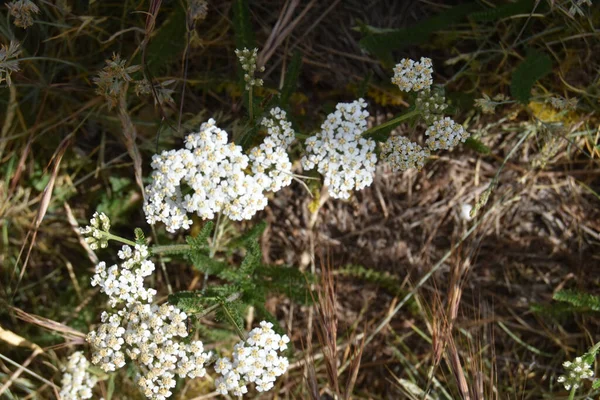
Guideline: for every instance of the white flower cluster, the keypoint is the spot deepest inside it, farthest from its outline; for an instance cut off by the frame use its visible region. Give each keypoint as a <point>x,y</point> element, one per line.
<point>431,104</point>
<point>76,382</point>
<point>340,153</point>
<point>445,134</point>
<point>270,162</point>
<point>95,232</point>
<point>253,361</point>
<point>413,75</point>
<point>248,61</point>
<point>125,283</point>
<point>207,177</point>
<point>577,371</point>
<point>148,334</point>
<point>402,154</point>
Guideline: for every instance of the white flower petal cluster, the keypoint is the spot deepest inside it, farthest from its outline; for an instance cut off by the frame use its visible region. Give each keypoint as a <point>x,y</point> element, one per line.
<point>94,232</point>
<point>340,153</point>
<point>413,75</point>
<point>270,162</point>
<point>445,134</point>
<point>255,360</point>
<point>402,154</point>
<point>577,371</point>
<point>248,60</point>
<point>150,335</point>
<point>207,177</point>
<point>76,382</point>
<point>125,283</point>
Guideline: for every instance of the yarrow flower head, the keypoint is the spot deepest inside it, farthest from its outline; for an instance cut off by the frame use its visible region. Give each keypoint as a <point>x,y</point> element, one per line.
<point>207,177</point>
<point>340,153</point>
<point>445,134</point>
<point>76,382</point>
<point>255,360</point>
<point>270,162</point>
<point>125,283</point>
<point>412,75</point>
<point>248,59</point>
<point>96,233</point>
<point>431,104</point>
<point>150,335</point>
<point>22,11</point>
<point>402,154</point>
<point>576,371</point>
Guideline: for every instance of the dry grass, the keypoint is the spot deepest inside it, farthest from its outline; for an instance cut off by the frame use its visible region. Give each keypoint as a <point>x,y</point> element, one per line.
<point>414,301</point>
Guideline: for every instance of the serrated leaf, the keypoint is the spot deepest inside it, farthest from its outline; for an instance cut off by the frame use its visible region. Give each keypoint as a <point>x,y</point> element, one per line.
<point>503,11</point>
<point>200,241</point>
<point>535,66</point>
<point>204,263</point>
<point>578,299</point>
<point>140,237</point>
<point>477,145</point>
<point>596,384</point>
<point>189,302</point>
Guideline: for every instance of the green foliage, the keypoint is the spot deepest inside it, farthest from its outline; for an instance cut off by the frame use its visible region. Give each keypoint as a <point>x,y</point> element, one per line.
<point>535,66</point>
<point>578,299</point>
<point>239,287</point>
<point>140,237</point>
<point>190,302</point>
<point>503,11</point>
<point>244,34</point>
<point>169,41</point>
<point>381,44</point>
<point>291,79</point>
<point>200,242</point>
<point>380,133</point>
<point>477,145</point>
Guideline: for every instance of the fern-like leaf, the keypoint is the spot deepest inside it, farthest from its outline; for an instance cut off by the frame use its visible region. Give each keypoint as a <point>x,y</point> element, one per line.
<point>535,66</point>
<point>578,299</point>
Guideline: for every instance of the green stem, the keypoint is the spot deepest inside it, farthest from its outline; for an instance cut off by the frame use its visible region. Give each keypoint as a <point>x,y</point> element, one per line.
<point>110,236</point>
<point>239,331</point>
<point>391,122</point>
<point>250,104</point>
<point>572,394</point>
<point>170,248</point>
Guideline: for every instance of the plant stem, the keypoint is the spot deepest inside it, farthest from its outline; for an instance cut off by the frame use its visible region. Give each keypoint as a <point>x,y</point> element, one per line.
<point>394,121</point>
<point>170,248</point>
<point>239,331</point>
<point>250,104</point>
<point>110,236</point>
<point>572,394</point>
